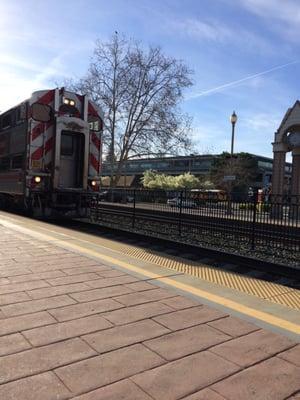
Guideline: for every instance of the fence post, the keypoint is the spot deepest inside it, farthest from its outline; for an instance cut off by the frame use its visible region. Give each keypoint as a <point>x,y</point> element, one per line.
<point>95,208</point>
<point>133,211</point>
<point>255,198</point>
<point>180,214</point>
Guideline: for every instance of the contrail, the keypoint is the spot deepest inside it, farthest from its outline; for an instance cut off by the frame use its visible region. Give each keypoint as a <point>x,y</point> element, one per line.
<point>247,78</point>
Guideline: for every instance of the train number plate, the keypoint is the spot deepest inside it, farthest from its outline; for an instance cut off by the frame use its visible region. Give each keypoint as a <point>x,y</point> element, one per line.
<point>36,164</point>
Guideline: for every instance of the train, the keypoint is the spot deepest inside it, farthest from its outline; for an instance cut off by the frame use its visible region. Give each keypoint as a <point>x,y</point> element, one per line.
<point>51,153</point>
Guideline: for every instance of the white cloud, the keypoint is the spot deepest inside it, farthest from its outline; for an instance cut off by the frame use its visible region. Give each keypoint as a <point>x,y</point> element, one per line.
<point>261,122</point>
<point>14,61</point>
<point>53,69</point>
<point>34,56</point>
<point>284,10</point>
<point>200,30</point>
<point>19,78</point>
<point>13,93</point>
<point>236,37</point>
<point>210,138</point>
<point>284,14</point>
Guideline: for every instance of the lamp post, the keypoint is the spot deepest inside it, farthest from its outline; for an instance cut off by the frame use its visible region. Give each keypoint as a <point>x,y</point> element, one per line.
<point>233,119</point>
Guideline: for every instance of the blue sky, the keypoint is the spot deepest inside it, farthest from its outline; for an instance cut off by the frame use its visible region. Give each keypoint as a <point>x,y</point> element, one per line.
<point>229,44</point>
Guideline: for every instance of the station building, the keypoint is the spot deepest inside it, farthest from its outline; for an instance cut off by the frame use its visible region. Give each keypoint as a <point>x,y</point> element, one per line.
<point>198,165</point>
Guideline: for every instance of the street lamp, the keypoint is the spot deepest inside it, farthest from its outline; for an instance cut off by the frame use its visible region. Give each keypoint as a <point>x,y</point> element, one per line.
<point>231,178</point>
<point>233,119</point>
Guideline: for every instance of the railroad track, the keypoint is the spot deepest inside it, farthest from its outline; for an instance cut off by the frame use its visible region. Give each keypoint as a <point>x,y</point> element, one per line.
<point>194,219</point>
<point>235,231</point>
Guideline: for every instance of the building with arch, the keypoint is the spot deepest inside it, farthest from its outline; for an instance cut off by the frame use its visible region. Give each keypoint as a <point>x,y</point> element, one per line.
<point>287,139</point>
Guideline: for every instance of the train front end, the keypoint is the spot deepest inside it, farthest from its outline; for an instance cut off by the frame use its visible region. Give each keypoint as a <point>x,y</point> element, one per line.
<point>64,153</point>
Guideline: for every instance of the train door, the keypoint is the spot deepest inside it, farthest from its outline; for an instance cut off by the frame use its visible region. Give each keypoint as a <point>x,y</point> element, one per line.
<point>71,160</point>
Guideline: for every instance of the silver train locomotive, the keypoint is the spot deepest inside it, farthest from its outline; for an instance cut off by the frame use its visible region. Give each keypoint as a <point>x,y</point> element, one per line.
<point>50,153</point>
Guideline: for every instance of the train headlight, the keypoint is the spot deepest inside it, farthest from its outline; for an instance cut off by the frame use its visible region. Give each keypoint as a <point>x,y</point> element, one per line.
<point>93,183</point>
<point>37,179</point>
<point>69,102</point>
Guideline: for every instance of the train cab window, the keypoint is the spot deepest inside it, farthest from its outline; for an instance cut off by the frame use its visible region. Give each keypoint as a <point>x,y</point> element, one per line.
<point>95,124</point>
<point>20,113</point>
<point>4,144</point>
<point>17,162</point>
<point>6,121</point>
<point>67,145</point>
<point>4,163</point>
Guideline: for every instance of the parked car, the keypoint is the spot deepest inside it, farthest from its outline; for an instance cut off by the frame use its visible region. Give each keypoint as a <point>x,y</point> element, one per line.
<point>186,203</point>
<point>115,196</point>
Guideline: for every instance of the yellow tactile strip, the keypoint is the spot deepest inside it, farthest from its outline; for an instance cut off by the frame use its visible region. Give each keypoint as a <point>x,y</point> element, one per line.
<point>290,299</point>
<point>273,292</point>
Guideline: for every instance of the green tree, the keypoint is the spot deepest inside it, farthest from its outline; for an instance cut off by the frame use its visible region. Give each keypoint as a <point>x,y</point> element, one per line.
<point>242,165</point>
<point>186,181</point>
<point>148,179</point>
<point>206,184</point>
<point>155,180</point>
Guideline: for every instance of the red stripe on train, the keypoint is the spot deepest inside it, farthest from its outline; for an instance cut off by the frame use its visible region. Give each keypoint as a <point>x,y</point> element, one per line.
<point>39,129</point>
<point>96,140</point>
<point>49,145</point>
<point>80,98</point>
<point>47,97</point>
<point>92,111</point>
<point>94,162</point>
<point>37,154</point>
<point>36,131</point>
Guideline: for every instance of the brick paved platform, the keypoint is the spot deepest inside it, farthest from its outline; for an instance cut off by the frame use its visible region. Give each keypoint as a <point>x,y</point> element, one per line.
<point>72,328</point>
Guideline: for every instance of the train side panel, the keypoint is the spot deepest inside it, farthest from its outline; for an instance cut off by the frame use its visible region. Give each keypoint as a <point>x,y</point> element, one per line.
<point>13,139</point>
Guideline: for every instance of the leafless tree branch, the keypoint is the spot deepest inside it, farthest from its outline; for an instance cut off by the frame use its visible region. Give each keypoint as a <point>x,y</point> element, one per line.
<point>139,91</point>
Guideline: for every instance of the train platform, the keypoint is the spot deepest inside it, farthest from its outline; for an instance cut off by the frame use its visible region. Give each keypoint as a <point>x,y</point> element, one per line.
<point>81,319</point>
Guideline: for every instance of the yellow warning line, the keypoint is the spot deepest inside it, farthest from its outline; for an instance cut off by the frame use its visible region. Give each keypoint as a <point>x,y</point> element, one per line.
<point>241,308</point>
<point>279,322</point>
<point>270,291</point>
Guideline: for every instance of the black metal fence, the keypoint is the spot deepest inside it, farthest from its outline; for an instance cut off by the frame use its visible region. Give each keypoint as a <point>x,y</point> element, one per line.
<point>267,226</point>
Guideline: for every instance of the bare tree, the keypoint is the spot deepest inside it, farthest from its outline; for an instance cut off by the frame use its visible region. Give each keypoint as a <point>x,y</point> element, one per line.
<point>139,91</point>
